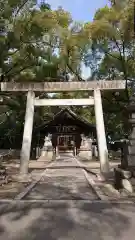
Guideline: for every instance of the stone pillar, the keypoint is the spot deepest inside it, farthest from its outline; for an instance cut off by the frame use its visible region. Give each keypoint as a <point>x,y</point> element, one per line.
<point>101,137</point>
<point>131,146</point>
<point>27,135</point>
<point>95,151</point>
<point>57,151</point>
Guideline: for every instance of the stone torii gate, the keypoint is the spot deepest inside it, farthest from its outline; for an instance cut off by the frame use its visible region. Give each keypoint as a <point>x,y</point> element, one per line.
<point>51,87</point>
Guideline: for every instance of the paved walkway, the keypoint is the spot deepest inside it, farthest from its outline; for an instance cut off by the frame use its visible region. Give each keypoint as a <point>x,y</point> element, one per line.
<point>75,215</point>
<point>63,181</point>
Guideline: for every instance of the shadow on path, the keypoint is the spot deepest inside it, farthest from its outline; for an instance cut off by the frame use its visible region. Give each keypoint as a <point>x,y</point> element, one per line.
<point>87,221</point>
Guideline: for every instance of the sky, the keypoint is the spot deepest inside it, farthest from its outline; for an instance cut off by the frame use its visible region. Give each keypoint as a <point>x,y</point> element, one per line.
<point>81,10</point>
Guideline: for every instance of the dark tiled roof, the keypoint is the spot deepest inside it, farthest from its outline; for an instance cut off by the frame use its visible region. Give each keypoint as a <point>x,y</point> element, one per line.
<point>67,113</point>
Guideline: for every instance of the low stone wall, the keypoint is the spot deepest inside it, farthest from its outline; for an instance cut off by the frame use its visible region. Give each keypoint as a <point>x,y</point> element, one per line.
<point>9,153</point>
<point>16,154</point>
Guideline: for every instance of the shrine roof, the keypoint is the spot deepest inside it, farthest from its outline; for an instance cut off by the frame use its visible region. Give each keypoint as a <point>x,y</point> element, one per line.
<point>66,116</point>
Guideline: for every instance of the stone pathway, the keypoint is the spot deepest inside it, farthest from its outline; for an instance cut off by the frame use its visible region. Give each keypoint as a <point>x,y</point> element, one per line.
<point>87,221</point>
<point>63,181</point>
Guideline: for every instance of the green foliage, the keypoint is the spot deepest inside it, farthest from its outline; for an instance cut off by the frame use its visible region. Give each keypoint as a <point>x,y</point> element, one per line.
<point>36,44</point>
<point>40,44</point>
<point>112,51</point>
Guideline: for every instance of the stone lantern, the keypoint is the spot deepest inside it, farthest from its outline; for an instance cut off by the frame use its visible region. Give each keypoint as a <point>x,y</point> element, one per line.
<point>131,146</point>
<point>125,173</point>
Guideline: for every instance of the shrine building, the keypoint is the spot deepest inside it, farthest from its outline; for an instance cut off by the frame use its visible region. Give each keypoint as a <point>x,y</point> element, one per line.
<point>66,131</point>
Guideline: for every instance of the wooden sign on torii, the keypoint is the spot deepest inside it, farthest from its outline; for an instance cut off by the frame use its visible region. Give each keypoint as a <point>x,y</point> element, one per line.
<point>52,87</point>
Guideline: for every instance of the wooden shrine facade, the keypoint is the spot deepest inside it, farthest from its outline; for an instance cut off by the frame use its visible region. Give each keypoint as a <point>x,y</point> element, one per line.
<point>66,128</point>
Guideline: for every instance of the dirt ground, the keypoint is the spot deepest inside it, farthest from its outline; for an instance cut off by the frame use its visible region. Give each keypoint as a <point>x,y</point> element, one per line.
<point>14,187</point>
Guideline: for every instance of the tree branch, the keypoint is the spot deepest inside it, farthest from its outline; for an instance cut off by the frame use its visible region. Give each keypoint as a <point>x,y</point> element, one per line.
<point>70,68</point>
<point>15,64</point>
<point>75,73</point>
<point>20,7</point>
<point>20,70</point>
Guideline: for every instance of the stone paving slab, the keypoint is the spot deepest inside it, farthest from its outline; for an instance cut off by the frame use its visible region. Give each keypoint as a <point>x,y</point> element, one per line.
<point>87,221</point>
<point>57,185</point>
<point>63,183</point>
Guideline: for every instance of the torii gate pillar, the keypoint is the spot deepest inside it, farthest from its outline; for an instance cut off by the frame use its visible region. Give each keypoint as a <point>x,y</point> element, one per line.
<point>101,137</point>
<point>27,135</point>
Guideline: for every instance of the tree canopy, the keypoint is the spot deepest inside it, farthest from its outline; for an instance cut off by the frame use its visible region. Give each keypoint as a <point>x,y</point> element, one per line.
<point>41,44</point>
